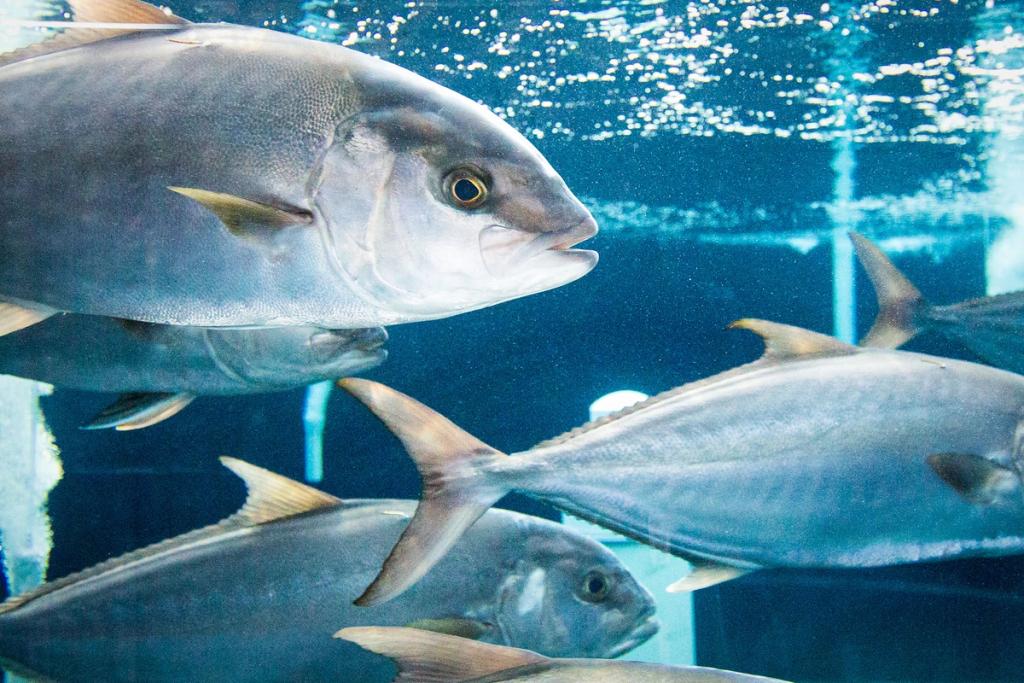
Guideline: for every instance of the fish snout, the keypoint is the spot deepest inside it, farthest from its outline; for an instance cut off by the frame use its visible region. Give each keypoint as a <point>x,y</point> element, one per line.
<point>646,629</point>
<point>369,339</point>
<point>505,249</point>
<point>580,232</point>
<point>328,345</point>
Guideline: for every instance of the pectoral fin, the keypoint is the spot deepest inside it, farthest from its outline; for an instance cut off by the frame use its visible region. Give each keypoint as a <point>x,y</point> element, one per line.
<point>977,479</point>
<point>453,626</point>
<point>244,217</point>
<point>706,573</point>
<point>137,411</point>
<point>14,317</point>
<point>425,657</point>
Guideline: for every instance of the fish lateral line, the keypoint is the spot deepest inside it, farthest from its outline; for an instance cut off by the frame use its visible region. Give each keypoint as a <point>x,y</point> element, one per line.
<point>782,343</point>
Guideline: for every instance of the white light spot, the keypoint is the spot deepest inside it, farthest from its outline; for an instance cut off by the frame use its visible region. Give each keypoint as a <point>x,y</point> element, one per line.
<point>532,596</point>
<point>614,402</point>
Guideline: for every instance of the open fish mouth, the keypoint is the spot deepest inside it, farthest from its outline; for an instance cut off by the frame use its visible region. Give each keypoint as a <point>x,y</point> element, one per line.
<point>329,343</point>
<point>643,632</point>
<point>505,250</point>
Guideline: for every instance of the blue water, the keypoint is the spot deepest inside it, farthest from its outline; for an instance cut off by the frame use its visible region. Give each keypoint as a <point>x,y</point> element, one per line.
<point>701,224</point>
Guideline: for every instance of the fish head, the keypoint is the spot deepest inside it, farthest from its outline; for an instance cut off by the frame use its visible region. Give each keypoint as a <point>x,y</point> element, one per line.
<point>432,205</point>
<point>569,596</point>
<point>292,356</point>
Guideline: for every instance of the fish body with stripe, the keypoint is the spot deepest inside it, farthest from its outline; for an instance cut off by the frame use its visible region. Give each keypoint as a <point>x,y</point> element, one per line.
<point>94,353</point>
<point>216,175</point>
<point>257,597</point>
<point>819,454</point>
<point>161,369</point>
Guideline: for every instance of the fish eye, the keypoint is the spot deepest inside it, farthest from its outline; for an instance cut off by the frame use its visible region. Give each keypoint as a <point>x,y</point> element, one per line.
<point>467,189</point>
<point>595,586</point>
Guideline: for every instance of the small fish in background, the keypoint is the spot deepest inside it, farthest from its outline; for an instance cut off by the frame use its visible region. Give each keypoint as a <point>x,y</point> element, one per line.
<point>160,369</point>
<point>425,657</point>
<point>258,596</point>
<point>216,175</point>
<point>819,454</point>
<point>990,326</point>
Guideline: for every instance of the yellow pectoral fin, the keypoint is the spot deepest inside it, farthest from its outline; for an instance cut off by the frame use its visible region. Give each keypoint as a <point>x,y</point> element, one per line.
<point>707,574</point>
<point>453,626</point>
<point>14,317</point>
<point>244,217</point>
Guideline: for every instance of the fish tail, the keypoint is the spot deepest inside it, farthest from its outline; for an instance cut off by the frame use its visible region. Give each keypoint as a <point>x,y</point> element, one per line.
<point>456,491</point>
<point>901,308</point>
<point>425,657</point>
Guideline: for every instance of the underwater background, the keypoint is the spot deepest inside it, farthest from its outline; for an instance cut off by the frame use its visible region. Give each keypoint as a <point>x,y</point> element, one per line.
<point>722,146</point>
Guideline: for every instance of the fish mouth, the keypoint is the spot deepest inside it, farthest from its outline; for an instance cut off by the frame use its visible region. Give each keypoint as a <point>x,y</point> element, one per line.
<point>506,250</point>
<point>643,632</point>
<point>328,344</point>
<point>582,232</point>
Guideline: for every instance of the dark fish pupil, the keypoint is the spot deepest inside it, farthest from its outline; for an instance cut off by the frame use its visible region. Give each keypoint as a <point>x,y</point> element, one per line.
<point>466,190</point>
<point>595,585</point>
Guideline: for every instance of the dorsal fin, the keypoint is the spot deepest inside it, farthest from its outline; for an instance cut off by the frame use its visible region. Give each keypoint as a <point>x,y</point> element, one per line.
<point>271,497</point>
<point>781,342</point>
<point>121,11</point>
<point>95,12</point>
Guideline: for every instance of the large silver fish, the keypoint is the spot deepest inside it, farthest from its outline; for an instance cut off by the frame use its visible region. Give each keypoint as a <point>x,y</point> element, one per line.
<point>217,175</point>
<point>162,368</point>
<point>258,596</point>
<point>425,657</point>
<point>819,454</point>
<point>990,326</point>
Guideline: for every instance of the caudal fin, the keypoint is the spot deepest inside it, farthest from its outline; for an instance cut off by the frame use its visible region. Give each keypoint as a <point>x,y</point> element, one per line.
<point>900,304</point>
<point>454,495</point>
<point>425,657</point>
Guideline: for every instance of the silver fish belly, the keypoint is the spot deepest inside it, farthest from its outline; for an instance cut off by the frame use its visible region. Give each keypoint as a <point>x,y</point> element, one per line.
<point>259,600</point>
<point>217,175</point>
<point>820,454</point>
<point>821,462</point>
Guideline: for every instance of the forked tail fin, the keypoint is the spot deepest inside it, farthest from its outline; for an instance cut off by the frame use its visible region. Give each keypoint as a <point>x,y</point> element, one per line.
<point>425,657</point>
<point>900,305</point>
<point>454,494</point>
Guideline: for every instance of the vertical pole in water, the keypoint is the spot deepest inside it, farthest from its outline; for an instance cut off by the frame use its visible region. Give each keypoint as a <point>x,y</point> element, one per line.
<point>844,310</point>
<point>842,66</point>
<point>314,419</point>
<point>1004,256</point>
